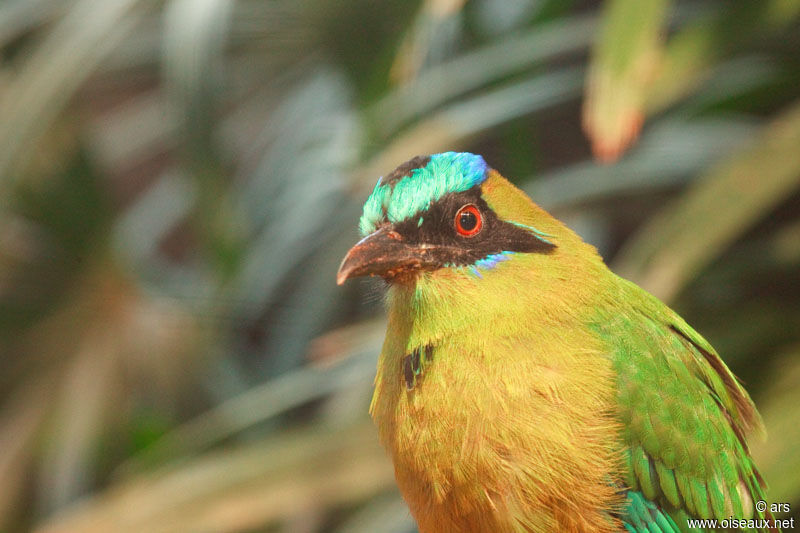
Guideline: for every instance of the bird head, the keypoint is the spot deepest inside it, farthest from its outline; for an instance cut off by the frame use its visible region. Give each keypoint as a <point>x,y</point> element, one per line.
<point>443,213</point>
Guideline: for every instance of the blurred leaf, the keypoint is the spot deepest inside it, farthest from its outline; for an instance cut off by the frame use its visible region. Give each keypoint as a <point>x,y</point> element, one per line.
<point>778,406</point>
<point>130,132</point>
<point>669,154</point>
<point>62,209</point>
<point>388,514</point>
<point>261,403</point>
<point>625,58</point>
<point>20,421</point>
<point>452,127</point>
<point>194,45</point>
<point>49,78</point>
<point>737,79</point>
<point>19,16</point>
<point>243,487</point>
<point>474,69</point>
<point>496,18</point>
<point>785,247</point>
<point>296,194</point>
<point>428,35</point>
<point>90,384</point>
<point>139,230</point>
<point>103,344</point>
<point>691,54</point>
<point>674,245</point>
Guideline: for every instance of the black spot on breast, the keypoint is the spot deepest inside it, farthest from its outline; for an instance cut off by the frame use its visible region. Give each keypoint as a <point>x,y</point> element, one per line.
<point>414,363</point>
<point>429,352</point>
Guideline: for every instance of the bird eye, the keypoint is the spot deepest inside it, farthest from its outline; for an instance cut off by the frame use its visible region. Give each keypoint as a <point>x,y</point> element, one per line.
<point>468,221</point>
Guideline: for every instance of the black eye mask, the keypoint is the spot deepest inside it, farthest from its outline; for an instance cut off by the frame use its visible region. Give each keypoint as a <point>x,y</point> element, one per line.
<point>438,229</point>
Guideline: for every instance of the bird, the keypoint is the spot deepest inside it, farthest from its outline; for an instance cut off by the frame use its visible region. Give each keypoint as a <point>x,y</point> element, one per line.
<point>524,387</point>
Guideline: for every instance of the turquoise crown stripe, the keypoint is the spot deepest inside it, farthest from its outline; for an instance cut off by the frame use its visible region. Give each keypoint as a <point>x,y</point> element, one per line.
<point>445,173</point>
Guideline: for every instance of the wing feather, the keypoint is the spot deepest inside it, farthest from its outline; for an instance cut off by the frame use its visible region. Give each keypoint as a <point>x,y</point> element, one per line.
<point>685,416</point>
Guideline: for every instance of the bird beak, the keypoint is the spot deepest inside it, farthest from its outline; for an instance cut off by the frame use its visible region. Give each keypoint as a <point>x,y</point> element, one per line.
<point>383,253</point>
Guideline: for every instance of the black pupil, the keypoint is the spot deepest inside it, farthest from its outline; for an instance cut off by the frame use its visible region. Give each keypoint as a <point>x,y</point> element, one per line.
<point>467,220</point>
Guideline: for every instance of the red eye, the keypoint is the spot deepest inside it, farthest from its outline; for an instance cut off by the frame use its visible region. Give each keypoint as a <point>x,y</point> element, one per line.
<point>468,221</point>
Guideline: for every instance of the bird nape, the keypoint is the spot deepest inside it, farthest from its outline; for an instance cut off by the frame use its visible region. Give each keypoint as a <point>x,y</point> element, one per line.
<point>523,386</point>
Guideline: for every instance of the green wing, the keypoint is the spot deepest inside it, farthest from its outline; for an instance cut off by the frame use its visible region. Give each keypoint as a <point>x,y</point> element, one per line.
<point>643,516</point>
<point>684,418</point>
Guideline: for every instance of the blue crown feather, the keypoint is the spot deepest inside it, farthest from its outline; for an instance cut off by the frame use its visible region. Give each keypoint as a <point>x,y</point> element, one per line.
<point>445,173</point>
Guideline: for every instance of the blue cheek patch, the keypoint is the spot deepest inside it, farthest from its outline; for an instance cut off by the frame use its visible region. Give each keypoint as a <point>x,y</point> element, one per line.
<point>488,263</point>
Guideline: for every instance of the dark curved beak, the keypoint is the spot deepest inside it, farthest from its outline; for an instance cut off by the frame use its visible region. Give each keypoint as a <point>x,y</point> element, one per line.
<point>383,253</point>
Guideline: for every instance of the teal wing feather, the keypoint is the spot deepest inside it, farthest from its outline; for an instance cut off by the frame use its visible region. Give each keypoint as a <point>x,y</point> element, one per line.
<point>643,516</point>
<point>684,418</point>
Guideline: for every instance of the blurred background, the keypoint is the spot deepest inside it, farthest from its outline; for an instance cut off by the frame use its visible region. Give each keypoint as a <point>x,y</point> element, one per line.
<point>179,180</point>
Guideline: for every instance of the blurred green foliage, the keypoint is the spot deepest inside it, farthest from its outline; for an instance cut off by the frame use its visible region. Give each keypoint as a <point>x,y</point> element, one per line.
<point>179,180</point>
